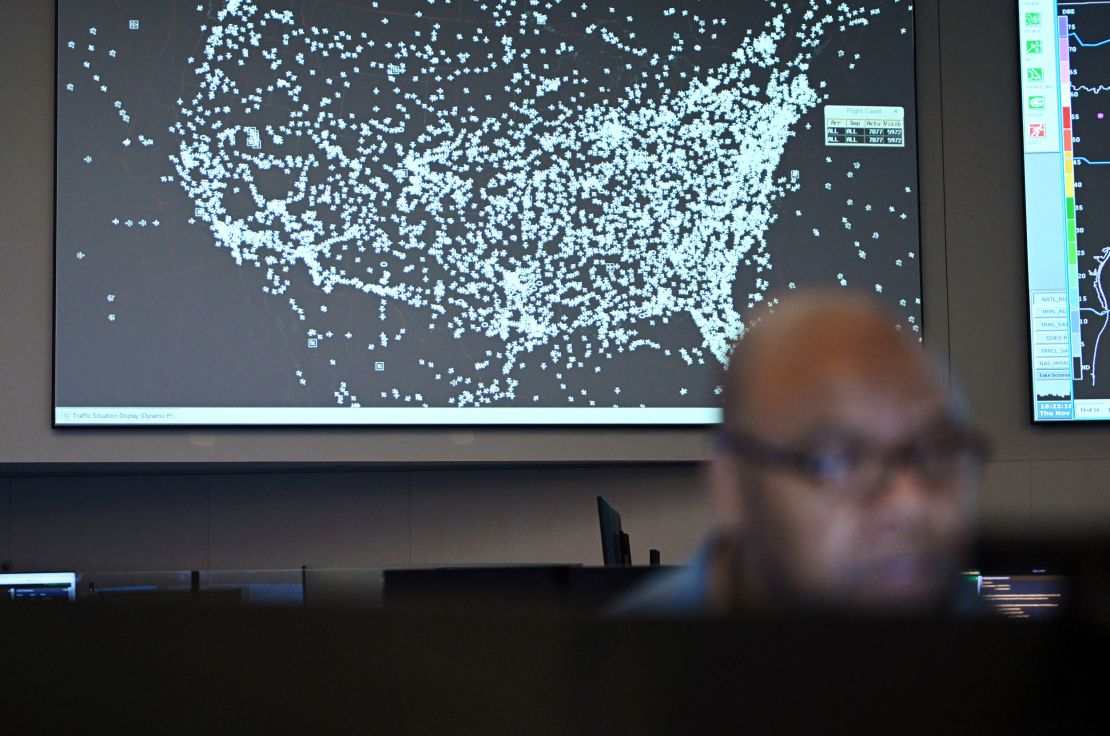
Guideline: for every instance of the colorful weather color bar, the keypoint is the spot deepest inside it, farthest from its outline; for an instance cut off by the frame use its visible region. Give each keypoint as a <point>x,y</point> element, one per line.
<point>1069,163</point>
<point>1069,195</point>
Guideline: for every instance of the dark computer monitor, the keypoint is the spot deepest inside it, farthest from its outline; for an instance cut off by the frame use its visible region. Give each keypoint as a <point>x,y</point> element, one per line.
<point>615,550</point>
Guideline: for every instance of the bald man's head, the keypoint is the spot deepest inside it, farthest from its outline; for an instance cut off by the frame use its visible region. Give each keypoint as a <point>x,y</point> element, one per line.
<point>817,352</point>
<point>846,480</point>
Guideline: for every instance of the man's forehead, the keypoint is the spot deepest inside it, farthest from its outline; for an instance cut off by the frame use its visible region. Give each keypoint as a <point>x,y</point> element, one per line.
<point>881,412</point>
<point>845,368</point>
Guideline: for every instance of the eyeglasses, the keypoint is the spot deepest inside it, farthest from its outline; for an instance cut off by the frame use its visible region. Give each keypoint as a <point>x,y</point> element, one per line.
<point>850,466</point>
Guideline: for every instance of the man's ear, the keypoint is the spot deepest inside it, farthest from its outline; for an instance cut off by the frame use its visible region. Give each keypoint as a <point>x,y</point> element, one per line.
<point>726,493</point>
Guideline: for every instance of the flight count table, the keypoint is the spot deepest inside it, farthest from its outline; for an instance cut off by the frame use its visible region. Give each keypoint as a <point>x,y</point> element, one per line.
<point>854,125</point>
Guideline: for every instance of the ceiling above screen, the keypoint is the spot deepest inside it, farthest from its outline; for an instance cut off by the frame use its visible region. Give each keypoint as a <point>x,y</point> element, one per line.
<point>449,212</point>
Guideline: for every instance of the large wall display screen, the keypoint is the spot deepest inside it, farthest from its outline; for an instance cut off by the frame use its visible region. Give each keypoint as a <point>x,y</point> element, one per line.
<point>328,212</point>
<point>1065,73</point>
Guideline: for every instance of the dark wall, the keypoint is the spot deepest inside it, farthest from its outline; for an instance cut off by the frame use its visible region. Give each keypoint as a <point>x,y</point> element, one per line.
<point>61,516</point>
<point>344,519</point>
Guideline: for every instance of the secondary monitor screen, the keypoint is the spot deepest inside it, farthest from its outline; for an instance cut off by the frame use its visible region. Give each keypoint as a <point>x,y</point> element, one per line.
<point>1065,60</point>
<point>38,586</point>
<point>455,211</point>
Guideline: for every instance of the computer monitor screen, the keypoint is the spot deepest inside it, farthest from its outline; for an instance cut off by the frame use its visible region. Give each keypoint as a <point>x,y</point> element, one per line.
<point>1065,64</point>
<point>1035,595</point>
<point>38,586</point>
<point>463,211</point>
<point>615,545</point>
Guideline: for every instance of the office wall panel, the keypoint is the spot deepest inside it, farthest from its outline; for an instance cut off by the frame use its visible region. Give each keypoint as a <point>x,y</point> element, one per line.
<point>507,516</point>
<point>1071,495</point>
<point>5,520</point>
<point>930,172</point>
<point>313,519</point>
<point>152,522</point>
<point>1005,498</point>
